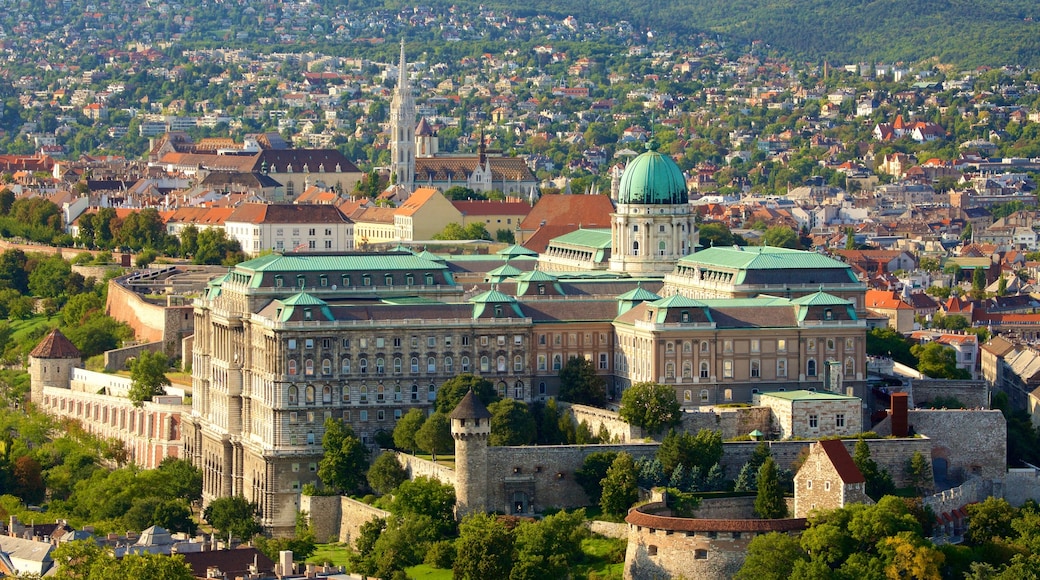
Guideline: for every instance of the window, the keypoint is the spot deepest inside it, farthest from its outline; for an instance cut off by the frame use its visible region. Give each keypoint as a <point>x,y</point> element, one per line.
<point>292,395</point>
<point>345,366</point>
<point>687,347</point>
<point>431,341</point>
<point>292,344</point>
<point>839,420</point>
<point>542,362</point>
<point>756,345</point>
<point>826,486</point>
<point>830,345</point>
<point>465,340</point>
<point>380,393</point>
<point>850,367</point>
<point>781,345</point>
<point>704,369</point>
<point>727,395</point>
<point>326,367</point>
<point>380,415</point>
<point>541,339</point>
<point>557,362</point>
<point>669,370</point>
<point>603,361</point>
<point>415,342</point>
<point>431,365</point>
<point>704,395</point>
<point>810,345</point>
<point>380,365</point>
<point>518,391</point>
<point>397,392</point>
<point>465,364</point>
<point>501,340</point>
<point>449,364</point>
<point>808,484</point>
<point>415,364</point>
<point>363,416</point>
<point>310,395</point>
<point>850,344</point>
<point>669,347</point>
<point>756,369</point>
<point>415,392</point>
<point>363,391</point>
<point>704,346</point>
<point>727,346</point>
<point>431,392</point>
<point>380,342</point>
<point>397,365</point>
<point>810,368</point>
<point>781,367</point>
<point>501,364</point>
<point>326,395</point>
<point>814,422</point>
<point>687,396</point>
<point>635,246</point>
<point>727,369</point>
<point>518,363</point>
<point>363,366</point>
<point>700,554</point>
<point>485,364</point>
<point>346,343</point>
<point>541,388</point>
<point>687,370</point>
<point>828,314</point>
<point>292,367</point>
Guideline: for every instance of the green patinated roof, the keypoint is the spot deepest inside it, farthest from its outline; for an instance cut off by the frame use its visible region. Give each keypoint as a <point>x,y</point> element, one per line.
<point>399,300</point>
<point>334,263</point>
<point>588,238</point>
<point>492,296</point>
<point>761,258</point>
<point>652,178</point>
<point>678,301</point>
<point>516,250</point>
<point>821,299</point>
<point>639,294</point>
<point>535,276</point>
<point>803,395</point>
<point>401,248</point>
<point>462,258</point>
<point>303,299</point>
<point>430,256</point>
<point>505,270</point>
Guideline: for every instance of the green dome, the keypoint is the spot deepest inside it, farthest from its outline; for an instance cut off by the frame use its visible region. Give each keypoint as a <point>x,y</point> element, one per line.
<point>653,178</point>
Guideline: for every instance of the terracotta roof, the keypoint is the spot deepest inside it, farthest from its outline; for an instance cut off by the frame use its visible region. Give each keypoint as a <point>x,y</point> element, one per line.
<point>589,211</point>
<point>286,213</point>
<point>639,518</point>
<point>886,299</point>
<point>470,407</point>
<point>415,201</point>
<point>839,457</point>
<point>55,345</point>
<point>379,215</point>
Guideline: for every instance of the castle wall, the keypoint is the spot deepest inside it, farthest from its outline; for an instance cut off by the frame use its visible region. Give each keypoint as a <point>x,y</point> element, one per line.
<point>418,467</point>
<point>116,359</point>
<point>598,419</point>
<point>973,394</point>
<point>151,322</point>
<point>966,442</point>
<point>731,421</point>
<point>338,518</point>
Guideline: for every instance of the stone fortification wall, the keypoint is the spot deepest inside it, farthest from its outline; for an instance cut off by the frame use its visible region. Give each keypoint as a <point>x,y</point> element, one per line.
<point>964,442</point>
<point>597,419</point>
<point>151,322</point>
<point>974,490</point>
<point>95,272</point>
<point>609,529</point>
<point>338,518</point>
<point>1019,485</point>
<point>116,359</point>
<point>731,421</point>
<point>544,475</point>
<point>973,394</point>
<point>660,546</point>
<point>418,467</point>
<point>726,508</point>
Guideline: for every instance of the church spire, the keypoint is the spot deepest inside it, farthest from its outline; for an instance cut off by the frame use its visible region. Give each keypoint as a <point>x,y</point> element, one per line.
<point>402,70</point>
<point>402,128</point>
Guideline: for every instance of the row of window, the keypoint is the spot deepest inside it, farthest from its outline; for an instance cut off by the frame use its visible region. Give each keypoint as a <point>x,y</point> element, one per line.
<point>379,394</point>
<point>347,281</point>
<point>814,421</point>
<point>397,342</point>
<point>487,364</point>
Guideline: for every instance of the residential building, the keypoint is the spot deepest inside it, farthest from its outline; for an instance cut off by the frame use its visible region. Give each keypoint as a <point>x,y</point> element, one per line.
<point>290,227</point>
<point>889,304</point>
<point>425,213</point>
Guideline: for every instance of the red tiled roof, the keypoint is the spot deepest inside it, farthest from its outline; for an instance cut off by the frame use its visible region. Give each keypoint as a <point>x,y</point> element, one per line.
<point>55,345</point>
<point>888,300</point>
<point>475,208</point>
<point>842,461</point>
<point>283,213</point>
<point>588,211</point>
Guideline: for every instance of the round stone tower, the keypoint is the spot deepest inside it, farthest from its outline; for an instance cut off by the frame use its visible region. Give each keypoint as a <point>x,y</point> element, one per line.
<point>470,426</point>
<point>51,364</point>
<point>653,225</point>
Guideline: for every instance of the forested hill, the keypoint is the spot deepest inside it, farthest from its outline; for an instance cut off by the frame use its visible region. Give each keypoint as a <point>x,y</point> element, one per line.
<point>967,33</point>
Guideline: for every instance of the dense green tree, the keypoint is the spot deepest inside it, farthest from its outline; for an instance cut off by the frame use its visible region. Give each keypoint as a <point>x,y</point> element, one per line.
<point>407,427</point>
<point>511,423</point>
<point>878,481</point>
<point>345,459</point>
<point>86,560</point>
<point>769,503</point>
<point>79,306</point>
<point>989,520</point>
<point>48,276</point>
<point>455,388</point>
<point>549,548</point>
<point>435,435</point>
<point>13,274</point>
<point>189,240</point>
<point>938,361</point>
<point>484,549</point>
<point>214,247</point>
<point>580,384</point>
<point>650,406</point>
<point>717,234</point>
<point>148,377</point>
<point>702,450</point>
<point>919,473</point>
<point>386,473</point>
<point>771,556</point>
<point>547,418</point>
<point>97,334</point>
<point>302,543</point>
<point>620,488</point>
<point>593,470</point>
<point>978,284</point>
<point>234,515</point>
<point>747,479</point>
<point>429,499</point>
<point>780,237</point>
<point>178,478</point>
<point>887,342</point>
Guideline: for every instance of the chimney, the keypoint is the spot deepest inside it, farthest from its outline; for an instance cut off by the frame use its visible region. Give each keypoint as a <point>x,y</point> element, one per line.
<point>899,415</point>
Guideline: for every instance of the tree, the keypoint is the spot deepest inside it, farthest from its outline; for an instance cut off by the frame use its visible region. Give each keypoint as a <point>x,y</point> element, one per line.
<point>978,284</point>
<point>580,384</point>
<point>47,278</point>
<point>511,423</point>
<point>593,470</point>
<point>769,503</point>
<point>234,515</point>
<point>620,490</point>
<point>878,481</point>
<point>407,427</point>
<point>214,247</point>
<point>701,451</point>
<point>549,548</point>
<point>887,342</point>
<point>435,435</point>
<point>302,543</point>
<point>747,479</point>
<point>989,520</point>
<point>938,361</point>
<point>148,376</point>
<point>484,549</point>
<point>780,237</point>
<point>345,460</point>
<point>189,240</point>
<point>918,472</point>
<point>650,406</point>
<point>386,473</point>
<point>547,417</point>
<point>178,478</point>
<point>910,556</point>
<point>717,234</point>
<point>429,499</point>
<point>455,388</point>
<point>929,264</point>
<point>771,556</point>
<point>1002,286</point>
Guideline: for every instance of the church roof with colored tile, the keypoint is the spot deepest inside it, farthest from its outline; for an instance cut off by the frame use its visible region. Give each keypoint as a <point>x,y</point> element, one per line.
<point>55,345</point>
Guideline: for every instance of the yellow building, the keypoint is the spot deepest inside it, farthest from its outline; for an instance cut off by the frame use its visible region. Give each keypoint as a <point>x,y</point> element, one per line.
<point>424,214</point>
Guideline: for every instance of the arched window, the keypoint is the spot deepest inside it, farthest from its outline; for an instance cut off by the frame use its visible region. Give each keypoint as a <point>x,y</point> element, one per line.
<point>345,366</point>
<point>669,347</point>
<point>518,363</point>
<point>465,364</point>
<point>669,370</point>
<point>448,364</point>
<point>635,247</point>
<point>687,370</point>
<point>687,396</point>
<point>326,394</point>
<point>850,367</point>
<point>662,247</point>
<point>415,364</point>
<point>704,369</point>
<point>292,395</point>
<point>687,347</point>
<point>431,392</point>
<point>397,364</point>
<point>415,392</point>
<point>501,364</point>
<point>704,346</point>
<point>431,365</point>
<point>363,391</point>
<point>380,393</point>
<point>292,367</point>
<point>363,366</point>
<point>310,395</point>
<point>326,367</point>
<point>346,394</point>
<point>308,367</point>
<point>810,368</point>
<point>501,388</point>
<point>484,364</point>
<point>704,395</point>
<point>397,392</point>
<point>518,391</point>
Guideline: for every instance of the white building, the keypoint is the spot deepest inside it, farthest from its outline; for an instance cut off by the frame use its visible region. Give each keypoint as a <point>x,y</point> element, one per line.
<point>290,227</point>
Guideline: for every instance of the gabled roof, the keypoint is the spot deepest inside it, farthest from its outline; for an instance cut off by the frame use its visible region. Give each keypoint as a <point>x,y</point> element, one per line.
<point>589,211</point>
<point>287,213</point>
<point>417,200</point>
<point>516,250</point>
<point>639,294</point>
<point>55,345</point>
<point>839,457</point>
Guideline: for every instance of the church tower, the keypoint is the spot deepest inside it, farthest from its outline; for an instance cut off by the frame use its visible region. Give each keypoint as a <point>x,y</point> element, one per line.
<point>402,129</point>
<point>653,225</point>
<point>470,427</point>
